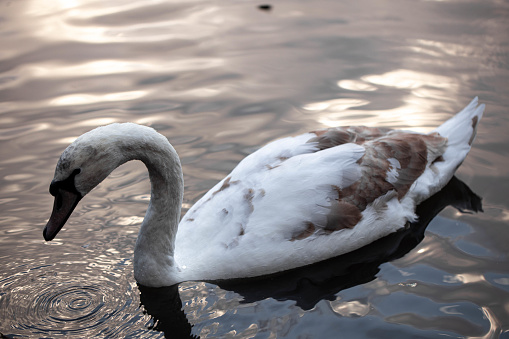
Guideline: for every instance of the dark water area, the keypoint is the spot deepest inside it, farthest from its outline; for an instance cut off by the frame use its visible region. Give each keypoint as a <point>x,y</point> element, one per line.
<point>220,79</point>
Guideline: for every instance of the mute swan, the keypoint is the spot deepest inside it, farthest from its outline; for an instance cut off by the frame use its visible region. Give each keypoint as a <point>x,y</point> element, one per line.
<point>294,202</point>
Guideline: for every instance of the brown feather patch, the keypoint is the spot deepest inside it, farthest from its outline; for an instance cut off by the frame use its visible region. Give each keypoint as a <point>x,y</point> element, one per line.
<point>393,160</point>
<point>225,185</point>
<point>310,229</point>
<point>342,215</point>
<point>475,120</point>
<point>410,150</point>
<point>248,196</point>
<point>331,137</point>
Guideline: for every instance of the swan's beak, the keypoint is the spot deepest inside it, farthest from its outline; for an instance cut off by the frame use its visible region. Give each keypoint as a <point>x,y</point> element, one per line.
<point>64,204</point>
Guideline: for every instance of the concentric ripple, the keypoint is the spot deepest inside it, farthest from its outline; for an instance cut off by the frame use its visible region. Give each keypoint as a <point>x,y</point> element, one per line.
<point>41,301</point>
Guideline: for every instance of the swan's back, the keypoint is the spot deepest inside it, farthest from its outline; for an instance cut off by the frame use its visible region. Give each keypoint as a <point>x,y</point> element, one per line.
<point>303,199</point>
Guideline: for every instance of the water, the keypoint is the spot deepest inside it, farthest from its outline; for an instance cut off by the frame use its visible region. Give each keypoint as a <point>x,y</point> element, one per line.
<point>219,79</point>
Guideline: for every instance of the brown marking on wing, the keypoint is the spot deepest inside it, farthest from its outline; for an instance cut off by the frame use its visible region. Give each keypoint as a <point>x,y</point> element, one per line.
<point>320,132</point>
<point>248,196</point>
<point>225,185</point>
<point>412,151</point>
<point>369,133</point>
<point>380,204</point>
<point>338,191</point>
<point>350,134</point>
<point>236,240</point>
<point>342,215</point>
<point>438,159</point>
<point>281,159</point>
<point>333,137</point>
<point>310,230</point>
<point>475,120</point>
<point>436,147</point>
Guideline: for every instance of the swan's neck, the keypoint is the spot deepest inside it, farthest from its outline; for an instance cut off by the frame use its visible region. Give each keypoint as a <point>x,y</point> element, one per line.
<point>154,250</point>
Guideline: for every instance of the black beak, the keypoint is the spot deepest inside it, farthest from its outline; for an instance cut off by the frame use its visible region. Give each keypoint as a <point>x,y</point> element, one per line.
<point>64,204</point>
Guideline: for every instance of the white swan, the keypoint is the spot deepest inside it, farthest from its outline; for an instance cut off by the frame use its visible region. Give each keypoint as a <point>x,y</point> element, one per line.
<point>294,202</point>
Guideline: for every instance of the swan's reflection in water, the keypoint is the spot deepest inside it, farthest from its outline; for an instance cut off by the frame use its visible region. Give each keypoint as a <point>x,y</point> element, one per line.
<point>321,281</point>
<point>165,307</point>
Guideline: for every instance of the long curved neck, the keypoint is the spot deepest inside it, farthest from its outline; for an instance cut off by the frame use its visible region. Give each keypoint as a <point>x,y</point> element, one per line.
<point>154,249</point>
<point>159,227</point>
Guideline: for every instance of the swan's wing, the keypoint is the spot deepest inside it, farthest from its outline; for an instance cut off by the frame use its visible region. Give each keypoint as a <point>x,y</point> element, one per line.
<point>310,189</point>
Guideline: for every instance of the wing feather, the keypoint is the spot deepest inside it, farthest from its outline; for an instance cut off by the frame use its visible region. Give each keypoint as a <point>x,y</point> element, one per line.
<point>314,184</point>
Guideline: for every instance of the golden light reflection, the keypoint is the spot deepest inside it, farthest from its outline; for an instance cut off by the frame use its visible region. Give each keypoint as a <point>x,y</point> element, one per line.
<point>505,215</point>
<point>404,117</point>
<point>18,177</point>
<point>16,132</point>
<point>84,99</point>
<point>128,221</point>
<point>104,67</point>
<point>356,85</point>
<point>335,105</point>
<point>425,91</point>
<point>196,24</point>
<point>465,278</point>
<point>66,141</point>
<point>203,92</point>
<point>446,48</point>
<point>350,308</point>
<point>450,309</point>
<point>495,324</point>
<point>113,251</point>
<point>42,8</point>
<point>403,78</point>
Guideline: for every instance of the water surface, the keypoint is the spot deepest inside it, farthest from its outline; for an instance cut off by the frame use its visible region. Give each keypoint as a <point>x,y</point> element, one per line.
<point>220,79</point>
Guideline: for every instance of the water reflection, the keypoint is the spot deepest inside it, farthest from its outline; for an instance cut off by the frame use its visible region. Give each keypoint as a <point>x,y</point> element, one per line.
<point>219,79</point>
<point>41,303</point>
<point>307,286</point>
<point>165,307</point>
<point>412,111</point>
<point>127,21</point>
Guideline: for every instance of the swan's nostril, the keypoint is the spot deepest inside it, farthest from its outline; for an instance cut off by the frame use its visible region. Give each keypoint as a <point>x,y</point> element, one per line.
<point>58,201</point>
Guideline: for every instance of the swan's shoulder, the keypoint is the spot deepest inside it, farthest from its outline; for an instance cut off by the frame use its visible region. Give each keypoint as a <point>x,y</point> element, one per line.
<point>315,195</point>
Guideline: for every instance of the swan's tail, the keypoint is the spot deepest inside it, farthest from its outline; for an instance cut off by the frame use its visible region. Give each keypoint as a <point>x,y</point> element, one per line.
<point>460,130</point>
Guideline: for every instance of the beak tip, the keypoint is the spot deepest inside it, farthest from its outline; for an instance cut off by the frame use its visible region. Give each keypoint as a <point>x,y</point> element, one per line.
<point>45,235</point>
<point>61,212</point>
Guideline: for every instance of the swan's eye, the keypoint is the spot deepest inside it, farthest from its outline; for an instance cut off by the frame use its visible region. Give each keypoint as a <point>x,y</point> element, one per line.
<point>67,184</point>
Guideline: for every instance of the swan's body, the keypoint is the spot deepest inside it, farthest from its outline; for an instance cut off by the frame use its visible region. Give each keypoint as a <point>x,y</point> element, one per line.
<point>296,201</point>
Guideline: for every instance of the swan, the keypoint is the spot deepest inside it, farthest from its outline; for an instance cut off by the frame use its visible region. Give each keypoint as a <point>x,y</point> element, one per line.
<point>294,202</point>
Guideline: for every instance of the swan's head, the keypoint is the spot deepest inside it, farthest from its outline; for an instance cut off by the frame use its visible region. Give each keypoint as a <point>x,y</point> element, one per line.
<point>81,167</point>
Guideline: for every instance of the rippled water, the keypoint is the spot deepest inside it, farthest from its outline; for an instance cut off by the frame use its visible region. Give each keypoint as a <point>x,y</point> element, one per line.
<point>219,79</point>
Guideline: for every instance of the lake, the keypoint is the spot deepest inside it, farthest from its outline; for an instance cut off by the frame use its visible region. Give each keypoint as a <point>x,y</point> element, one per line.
<point>220,79</point>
